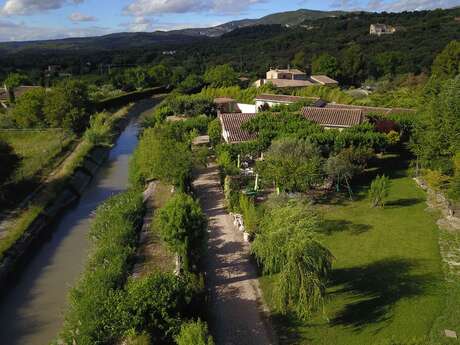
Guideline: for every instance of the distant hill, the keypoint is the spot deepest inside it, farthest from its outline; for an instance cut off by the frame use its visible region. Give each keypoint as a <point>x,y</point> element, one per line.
<point>140,39</point>
<point>290,18</point>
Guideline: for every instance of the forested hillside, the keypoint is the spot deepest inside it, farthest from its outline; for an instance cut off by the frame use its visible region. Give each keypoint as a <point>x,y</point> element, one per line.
<point>354,54</point>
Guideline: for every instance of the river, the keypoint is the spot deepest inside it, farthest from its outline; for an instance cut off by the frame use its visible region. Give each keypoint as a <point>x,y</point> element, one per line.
<point>31,311</point>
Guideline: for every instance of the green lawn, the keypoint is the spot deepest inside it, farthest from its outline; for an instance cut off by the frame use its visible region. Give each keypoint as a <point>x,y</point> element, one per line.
<point>388,279</point>
<point>37,149</point>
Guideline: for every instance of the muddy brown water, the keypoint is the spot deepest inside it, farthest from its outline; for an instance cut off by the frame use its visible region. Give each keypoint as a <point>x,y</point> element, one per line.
<point>31,311</point>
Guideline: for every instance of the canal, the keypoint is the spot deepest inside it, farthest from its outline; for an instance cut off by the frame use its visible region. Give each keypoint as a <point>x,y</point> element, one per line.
<point>31,311</point>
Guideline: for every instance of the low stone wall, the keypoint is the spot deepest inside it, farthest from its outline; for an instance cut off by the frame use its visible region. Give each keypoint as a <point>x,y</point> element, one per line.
<point>437,200</point>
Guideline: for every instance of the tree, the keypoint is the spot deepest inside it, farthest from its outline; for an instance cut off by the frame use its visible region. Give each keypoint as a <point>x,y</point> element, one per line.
<point>325,64</point>
<point>221,76</point>
<point>12,81</point>
<point>447,63</point>
<point>159,75</point>
<point>286,245</point>
<point>379,190</point>
<point>294,165</point>
<point>387,63</point>
<point>29,109</point>
<point>454,187</point>
<point>66,106</point>
<point>215,132</point>
<point>342,167</point>
<point>353,63</point>
<point>161,156</point>
<point>436,139</point>
<point>182,225</point>
<point>9,162</point>
<point>194,333</point>
<point>299,59</point>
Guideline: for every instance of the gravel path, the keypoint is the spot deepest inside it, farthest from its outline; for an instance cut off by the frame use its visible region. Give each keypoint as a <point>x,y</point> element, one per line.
<point>237,315</point>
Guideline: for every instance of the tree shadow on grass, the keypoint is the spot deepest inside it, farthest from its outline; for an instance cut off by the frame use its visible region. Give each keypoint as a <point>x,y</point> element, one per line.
<point>404,202</point>
<point>377,287</point>
<point>340,225</point>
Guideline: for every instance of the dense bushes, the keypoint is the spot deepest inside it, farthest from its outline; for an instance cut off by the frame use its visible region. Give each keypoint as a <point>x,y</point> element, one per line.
<point>93,301</point>
<point>194,333</point>
<point>161,156</point>
<point>192,105</point>
<point>293,165</point>
<point>182,225</point>
<point>104,306</point>
<point>65,106</point>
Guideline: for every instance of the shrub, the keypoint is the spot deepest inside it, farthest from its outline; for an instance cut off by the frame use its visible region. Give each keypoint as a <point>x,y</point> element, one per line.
<point>435,179</point>
<point>160,155</point>
<point>249,212</point>
<point>100,129</point>
<point>192,105</point>
<point>93,316</point>
<point>28,111</point>
<point>194,333</point>
<point>221,76</point>
<point>157,304</point>
<point>182,225</point>
<point>379,191</point>
<point>215,132</point>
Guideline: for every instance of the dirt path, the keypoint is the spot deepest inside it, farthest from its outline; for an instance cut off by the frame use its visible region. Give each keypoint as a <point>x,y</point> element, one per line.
<point>237,315</point>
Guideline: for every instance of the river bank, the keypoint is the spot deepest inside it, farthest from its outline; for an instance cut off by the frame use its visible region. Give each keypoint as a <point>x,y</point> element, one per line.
<point>31,311</point>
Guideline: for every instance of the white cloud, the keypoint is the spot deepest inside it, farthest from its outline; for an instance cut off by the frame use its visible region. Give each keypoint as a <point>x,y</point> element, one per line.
<point>156,7</point>
<point>11,31</point>
<point>25,7</point>
<point>77,17</point>
<point>414,5</point>
<point>140,24</point>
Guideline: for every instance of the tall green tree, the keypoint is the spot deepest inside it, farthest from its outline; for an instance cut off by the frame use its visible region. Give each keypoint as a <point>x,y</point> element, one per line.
<point>286,245</point>
<point>436,139</point>
<point>182,225</point>
<point>447,63</point>
<point>325,64</point>
<point>66,106</point>
<point>221,76</point>
<point>294,165</point>
<point>12,81</point>
<point>353,63</point>
<point>29,109</point>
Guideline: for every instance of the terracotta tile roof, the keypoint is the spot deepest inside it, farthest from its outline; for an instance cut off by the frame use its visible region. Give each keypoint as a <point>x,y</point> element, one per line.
<point>231,127</point>
<point>280,98</point>
<point>323,79</point>
<point>334,117</point>
<point>371,110</point>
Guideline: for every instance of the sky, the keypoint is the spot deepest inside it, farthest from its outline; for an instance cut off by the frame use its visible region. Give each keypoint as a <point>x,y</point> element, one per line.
<point>22,20</point>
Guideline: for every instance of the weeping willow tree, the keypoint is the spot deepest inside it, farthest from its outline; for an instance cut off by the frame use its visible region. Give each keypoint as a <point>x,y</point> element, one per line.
<point>286,247</point>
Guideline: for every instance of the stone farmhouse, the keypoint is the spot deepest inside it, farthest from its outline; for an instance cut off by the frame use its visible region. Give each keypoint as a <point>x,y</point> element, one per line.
<point>294,78</point>
<point>381,29</point>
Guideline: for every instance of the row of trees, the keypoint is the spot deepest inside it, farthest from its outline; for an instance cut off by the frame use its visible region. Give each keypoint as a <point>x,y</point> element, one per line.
<point>65,106</point>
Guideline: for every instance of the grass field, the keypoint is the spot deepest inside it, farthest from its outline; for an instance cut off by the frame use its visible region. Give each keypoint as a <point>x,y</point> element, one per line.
<point>388,280</point>
<point>37,149</point>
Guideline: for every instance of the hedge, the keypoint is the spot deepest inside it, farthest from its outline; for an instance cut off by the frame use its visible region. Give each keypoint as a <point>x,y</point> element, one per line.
<point>119,101</point>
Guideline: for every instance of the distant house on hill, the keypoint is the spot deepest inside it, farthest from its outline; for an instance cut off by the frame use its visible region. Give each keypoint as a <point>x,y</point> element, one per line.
<point>381,29</point>
<point>294,78</point>
<point>334,118</point>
